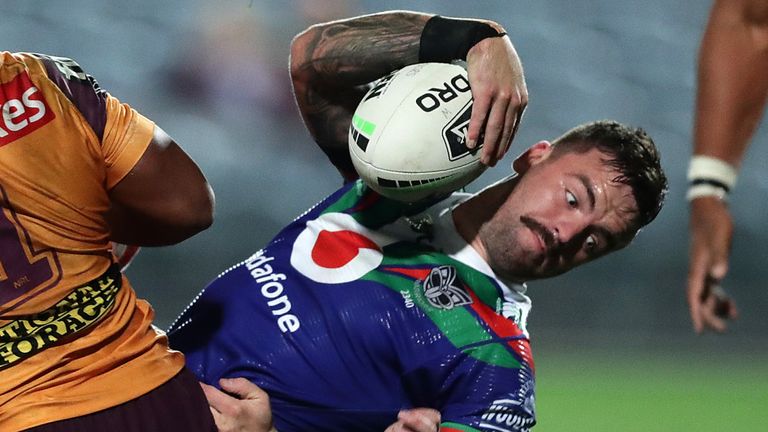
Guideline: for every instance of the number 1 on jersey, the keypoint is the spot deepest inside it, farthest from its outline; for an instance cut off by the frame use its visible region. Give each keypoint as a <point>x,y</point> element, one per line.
<point>21,269</point>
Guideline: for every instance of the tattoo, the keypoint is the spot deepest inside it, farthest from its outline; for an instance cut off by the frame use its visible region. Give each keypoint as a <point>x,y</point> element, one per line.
<point>360,50</point>
<point>332,63</point>
<point>328,119</point>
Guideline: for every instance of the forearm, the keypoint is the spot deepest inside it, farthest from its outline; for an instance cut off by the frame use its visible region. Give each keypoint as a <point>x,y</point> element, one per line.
<point>330,62</point>
<point>732,79</point>
<point>358,50</point>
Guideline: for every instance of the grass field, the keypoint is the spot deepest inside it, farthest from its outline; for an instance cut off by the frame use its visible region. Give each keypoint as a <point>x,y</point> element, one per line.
<point>658,392</point>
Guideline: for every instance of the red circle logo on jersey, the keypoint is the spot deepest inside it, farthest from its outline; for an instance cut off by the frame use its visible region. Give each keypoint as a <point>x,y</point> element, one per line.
<point>335,248</point>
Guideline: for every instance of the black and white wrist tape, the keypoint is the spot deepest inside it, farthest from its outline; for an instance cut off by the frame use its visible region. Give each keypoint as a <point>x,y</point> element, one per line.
<point>709,176</point>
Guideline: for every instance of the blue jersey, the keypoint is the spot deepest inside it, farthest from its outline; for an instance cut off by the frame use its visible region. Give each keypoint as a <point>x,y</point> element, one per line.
<point>353,312</point>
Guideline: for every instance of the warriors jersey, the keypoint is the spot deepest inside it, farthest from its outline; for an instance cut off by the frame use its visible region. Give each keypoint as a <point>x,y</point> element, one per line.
<point>352,313</point>
<point>73,337</point>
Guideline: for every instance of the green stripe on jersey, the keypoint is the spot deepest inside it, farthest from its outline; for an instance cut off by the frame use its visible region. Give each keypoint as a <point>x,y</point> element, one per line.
<point>458,427</point>
<point>460,326</point>
<point>378,212</point>
<point>349,200</point>
<point>403,253</point>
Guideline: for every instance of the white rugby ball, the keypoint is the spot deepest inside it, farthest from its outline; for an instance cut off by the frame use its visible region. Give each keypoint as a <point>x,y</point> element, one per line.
<point>408,135</point>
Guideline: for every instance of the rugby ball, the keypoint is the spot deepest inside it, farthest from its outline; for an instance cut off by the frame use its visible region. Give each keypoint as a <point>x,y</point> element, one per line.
<point>408,135</point>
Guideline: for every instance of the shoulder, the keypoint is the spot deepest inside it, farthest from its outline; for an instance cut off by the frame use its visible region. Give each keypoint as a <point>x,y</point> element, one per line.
<point>64,78</point>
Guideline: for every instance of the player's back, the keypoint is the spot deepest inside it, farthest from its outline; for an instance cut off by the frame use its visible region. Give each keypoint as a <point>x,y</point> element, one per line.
<point>63,144</point>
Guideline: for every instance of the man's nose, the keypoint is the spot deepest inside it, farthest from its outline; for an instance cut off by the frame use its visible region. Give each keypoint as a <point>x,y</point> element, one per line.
<point>569,229</point>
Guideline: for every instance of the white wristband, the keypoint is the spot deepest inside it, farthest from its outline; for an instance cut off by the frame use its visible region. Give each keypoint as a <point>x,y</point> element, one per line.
<point>709,176</point>
<point>710,168</point>
<point>704,190</point>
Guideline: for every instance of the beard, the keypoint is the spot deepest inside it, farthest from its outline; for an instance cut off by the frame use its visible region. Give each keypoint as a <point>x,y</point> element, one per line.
<point>521,251</point>
<point>508,255</point>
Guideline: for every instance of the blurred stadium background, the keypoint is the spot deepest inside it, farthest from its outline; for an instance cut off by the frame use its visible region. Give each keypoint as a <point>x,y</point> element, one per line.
<point>614,346</point>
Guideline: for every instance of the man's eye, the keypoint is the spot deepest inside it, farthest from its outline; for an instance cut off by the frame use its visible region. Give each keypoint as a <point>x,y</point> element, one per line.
<point>571,199</point>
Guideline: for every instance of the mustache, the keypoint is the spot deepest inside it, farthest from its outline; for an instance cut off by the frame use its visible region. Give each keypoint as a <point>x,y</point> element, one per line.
<point>547,235</point>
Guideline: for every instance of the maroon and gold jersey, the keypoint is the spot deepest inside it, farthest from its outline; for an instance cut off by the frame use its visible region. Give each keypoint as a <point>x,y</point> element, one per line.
<point>74,339</point>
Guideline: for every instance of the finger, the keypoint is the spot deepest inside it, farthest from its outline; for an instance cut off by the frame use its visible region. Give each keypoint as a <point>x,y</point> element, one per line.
<point>218,419</point>
<point>242,387</point>
<point>396,427</point>
<point>493,132</point>
<point>709,317</point>
<point>713,322</point>
<point>217,399</point>
<point>733,311</point>
<point>718,267</point>
<point>428,414</point>
<point>420,419</point>
<point>480,107</point>
<point>518,120</point>
<point>510,124</point>
<point>695,289</point>
<point>725,307</point>
<point>719,307</point>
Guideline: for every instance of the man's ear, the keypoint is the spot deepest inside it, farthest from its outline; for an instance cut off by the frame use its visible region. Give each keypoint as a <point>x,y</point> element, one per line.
<point>535,154</point>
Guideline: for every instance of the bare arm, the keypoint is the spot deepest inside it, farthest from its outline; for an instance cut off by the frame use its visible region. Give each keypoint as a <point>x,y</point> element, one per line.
<point>331,63</point>
<point>732,78</point>
<point>731,97</point>
<point>163,200</point>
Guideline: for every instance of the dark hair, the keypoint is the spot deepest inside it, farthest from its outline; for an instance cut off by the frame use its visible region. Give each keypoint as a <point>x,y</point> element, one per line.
<point>632,152</point>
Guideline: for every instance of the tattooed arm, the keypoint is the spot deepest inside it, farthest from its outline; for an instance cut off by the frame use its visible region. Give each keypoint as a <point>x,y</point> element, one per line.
<point>332,62</point>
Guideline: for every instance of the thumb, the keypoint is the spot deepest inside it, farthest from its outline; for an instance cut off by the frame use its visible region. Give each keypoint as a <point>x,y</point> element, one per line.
<point>242,388</point>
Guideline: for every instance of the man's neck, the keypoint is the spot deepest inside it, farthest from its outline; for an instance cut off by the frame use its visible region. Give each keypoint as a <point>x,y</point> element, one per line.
<point>470,216</point>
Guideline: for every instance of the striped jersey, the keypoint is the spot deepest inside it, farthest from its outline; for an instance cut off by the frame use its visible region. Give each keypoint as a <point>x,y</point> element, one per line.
<point>355,311</point>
